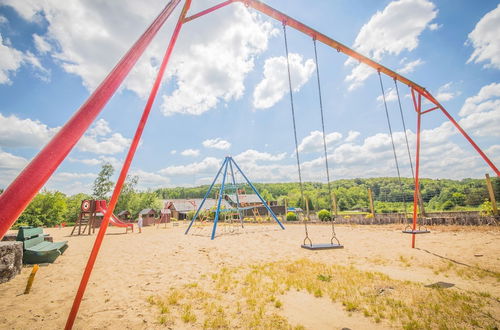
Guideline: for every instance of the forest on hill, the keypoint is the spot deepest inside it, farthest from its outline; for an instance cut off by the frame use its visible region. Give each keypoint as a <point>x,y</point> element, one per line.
<point>50,208</point>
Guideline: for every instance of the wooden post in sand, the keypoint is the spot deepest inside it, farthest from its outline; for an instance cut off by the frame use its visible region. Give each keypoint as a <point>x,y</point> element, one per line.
<point>370,197</point>
<point>492,194</point>
<point>286,207</point>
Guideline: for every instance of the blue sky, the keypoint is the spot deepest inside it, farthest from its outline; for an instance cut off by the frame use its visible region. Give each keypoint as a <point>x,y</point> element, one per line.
<point>225,91</point>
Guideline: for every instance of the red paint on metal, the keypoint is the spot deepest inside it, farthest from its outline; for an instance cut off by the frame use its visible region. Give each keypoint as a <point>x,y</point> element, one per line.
<point>417,168</point>
<point>21,191</point>
<point>431,109</point>
<point>123,173</point>
<point>208,11</point>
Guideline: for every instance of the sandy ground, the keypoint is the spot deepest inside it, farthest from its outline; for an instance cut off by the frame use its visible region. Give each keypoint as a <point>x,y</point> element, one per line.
<point>133,266</point>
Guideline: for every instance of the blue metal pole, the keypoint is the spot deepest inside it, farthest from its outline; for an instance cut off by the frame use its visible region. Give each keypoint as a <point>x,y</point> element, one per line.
<point>205,198</point>
<point>221,192</point>
<point>237,197</point>
<point>256,192</point>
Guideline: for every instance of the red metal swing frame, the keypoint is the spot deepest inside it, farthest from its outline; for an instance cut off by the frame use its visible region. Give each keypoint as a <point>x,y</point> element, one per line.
<point>23,189</point>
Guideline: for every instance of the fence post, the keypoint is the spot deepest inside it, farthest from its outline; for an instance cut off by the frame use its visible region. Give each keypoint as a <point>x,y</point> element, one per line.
<point>492,194</point>
<point>370,197</point>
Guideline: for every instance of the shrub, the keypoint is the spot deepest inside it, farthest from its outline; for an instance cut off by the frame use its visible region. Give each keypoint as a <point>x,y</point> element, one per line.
<point>324,215</point>
<point>448,205</point>
<point>190,215</point>
<point>291,216</point>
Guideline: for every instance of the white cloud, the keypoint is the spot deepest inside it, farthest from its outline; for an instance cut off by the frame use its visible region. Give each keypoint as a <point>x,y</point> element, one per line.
<point>217,143</point>
<point>100,140</point>
<point>271,89</point>
<point>3,19</point>
<point>149,180</point>
<point>486,40</point>
<point>213,59</point>
<point>16,132</point>
<point>253,156</point>
<point>314,141</point>
<point>10,166</point>
<point>395,29</point>
<point>11,162</point>
<point>11,61</point>
<point>97,161</point>
<point>435,26</point>
<point>41,44</point>
<point>351,136</point>
<point>410,66</point>
<point>190,152</point>
<point>173,152</point>
<point>390,95</point>
<point>481,112</point>
<point>445,92</point>
<point>209,165</point>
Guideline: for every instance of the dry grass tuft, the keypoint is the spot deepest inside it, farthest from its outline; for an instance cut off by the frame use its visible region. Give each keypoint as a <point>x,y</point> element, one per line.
<point>253,301</point>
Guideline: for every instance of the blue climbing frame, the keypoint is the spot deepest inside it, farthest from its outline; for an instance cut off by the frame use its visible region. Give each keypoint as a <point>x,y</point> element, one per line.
<point>229,161</point>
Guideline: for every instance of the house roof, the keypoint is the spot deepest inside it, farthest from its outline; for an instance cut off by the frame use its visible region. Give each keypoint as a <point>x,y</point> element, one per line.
<point>124,212</point>
<point>186,205</point>
<point>146,211</point>
<point>245,198</point>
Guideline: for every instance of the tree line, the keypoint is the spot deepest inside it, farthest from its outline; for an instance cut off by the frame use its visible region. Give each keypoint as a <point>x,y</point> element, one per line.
<point>50,208</point>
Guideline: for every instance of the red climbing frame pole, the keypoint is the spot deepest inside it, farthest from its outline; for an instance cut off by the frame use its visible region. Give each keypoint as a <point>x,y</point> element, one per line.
<point>21,191</point>
<point>124,171</point>
<point>417,103</point>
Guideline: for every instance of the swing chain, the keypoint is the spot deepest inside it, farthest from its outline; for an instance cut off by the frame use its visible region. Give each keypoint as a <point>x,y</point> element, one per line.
<point>392,142</point>
<point>294,125</point>
<point>332,216</point>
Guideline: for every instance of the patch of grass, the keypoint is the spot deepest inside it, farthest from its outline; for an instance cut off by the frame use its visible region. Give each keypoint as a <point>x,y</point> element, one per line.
<point>324,278</point>
<point>187,314</point>
<point>405,261</point>
<point>252,301</point>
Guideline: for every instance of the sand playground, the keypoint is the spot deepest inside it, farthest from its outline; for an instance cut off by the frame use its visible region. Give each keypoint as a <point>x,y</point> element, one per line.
<point>261,278</point>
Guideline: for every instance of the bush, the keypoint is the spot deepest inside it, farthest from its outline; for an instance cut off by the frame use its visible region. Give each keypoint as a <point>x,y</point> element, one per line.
<point>190,215</point>
<point>324,215</point>
<point>448,205</point>
<point>291,216</point>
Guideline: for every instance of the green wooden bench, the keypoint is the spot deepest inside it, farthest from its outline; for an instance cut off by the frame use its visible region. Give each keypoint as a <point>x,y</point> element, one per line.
<point>36,249</point>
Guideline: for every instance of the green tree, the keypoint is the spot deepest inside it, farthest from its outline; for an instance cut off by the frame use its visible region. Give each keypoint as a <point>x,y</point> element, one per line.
<point>127,194</point>
<point>103,184</point>
<point>46,209</point>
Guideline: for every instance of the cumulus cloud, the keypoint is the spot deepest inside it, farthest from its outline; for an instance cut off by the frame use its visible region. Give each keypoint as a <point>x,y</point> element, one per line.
<point>274,85</point>
<point>11,61</point>
<point>314,141</point>
<point>217,143</point>
<point>446,93</point>
<point>409,67</point>
<point>390,95</point>
<point>100,140</point>
<point>209,165</point>
<point>252,156</point>
<point>41,44</point>
<point>485,40</point>
<point>213,59</point>
<point>351,136</point>
<point>481,112</point>
<point>17,132</point>
<point>395,29</point>
<point>190,152</point>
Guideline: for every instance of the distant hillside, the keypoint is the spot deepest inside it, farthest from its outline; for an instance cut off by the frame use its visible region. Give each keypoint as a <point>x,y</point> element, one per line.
<point>438,194</point>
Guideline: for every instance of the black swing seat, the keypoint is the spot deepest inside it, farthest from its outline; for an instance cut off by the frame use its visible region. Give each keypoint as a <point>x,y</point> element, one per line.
<point>326,246</point>
<point>422,231</point>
